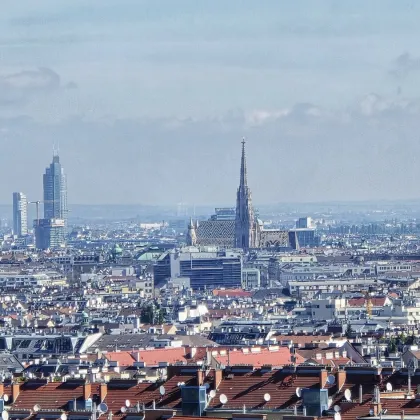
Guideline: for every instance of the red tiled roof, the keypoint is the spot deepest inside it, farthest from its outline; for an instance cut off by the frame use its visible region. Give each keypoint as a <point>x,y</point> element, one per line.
<point>153,357</point>
<point>303,339</point>
<point>50,396</point>
<point>249,390</point>
<point>231,293</point>
<point>263,356</point>
<point>123,358</point>
<point>360,301</point>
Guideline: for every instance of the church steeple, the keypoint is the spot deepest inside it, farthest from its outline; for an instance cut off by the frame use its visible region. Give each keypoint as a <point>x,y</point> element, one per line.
<point>245,226</point>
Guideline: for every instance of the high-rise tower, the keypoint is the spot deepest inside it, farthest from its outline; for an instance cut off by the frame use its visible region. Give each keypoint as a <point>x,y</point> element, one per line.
<point>20,215</point>
<point>55,191</point>
<point>50,232</point>
<point>245,224</point>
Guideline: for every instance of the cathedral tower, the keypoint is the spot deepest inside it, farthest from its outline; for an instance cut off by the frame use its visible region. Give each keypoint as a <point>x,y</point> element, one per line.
<point>245,225</point>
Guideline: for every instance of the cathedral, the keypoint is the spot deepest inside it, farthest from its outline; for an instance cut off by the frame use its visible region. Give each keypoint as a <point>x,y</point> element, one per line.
<point>244,231</point>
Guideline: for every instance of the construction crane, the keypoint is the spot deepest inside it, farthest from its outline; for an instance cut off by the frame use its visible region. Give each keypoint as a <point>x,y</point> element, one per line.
<point>368,302</point>
<point>37,203</point>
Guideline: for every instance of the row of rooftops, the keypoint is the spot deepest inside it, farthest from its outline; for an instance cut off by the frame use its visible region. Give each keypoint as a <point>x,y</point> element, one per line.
<point>356,390</point>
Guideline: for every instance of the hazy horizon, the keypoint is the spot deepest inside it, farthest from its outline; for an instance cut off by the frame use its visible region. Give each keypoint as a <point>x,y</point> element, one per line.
<point>149,102</point>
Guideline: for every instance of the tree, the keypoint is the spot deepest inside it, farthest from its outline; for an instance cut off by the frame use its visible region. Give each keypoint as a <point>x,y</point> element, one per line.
<point>147,314</point>
<point>349,330</point>
<point>392,345</point>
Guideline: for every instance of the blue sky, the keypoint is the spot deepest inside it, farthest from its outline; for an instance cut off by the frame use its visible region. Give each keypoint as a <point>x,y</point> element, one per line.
<point>321,89</point>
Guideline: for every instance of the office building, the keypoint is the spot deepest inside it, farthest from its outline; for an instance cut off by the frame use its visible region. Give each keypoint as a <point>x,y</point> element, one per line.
<point>49,233</point>
<point>251,278</point>
<point>306,237</point>
<point>304,223</point>
<point>204,269</point>
<point>224,213</point>
<point>20,214</point>
<point>55,191</point>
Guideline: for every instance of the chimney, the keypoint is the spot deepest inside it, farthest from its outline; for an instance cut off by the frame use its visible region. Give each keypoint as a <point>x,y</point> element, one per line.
<point>201,374</point>
<point>15,391</point>
<point>103,390</point>
<point>218,376</point>
<point>341,379</point>
<point>323,375</point>
<point>377,409</point>
<point>193,352</point>
<point>87,390</point>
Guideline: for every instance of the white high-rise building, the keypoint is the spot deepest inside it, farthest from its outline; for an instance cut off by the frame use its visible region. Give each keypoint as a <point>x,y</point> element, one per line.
<point>20,214</point>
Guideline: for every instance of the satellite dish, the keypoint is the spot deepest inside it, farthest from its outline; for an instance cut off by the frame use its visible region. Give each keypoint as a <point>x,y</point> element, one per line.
<point>36,408</point>
<point>5,415</point>
<point>298,392</point>
<point>127,403</point>
<point>330,380</point>
<point>212,393</point>
<point>5,398</point>
<point>389,386</point>
<point>337,416</point>
<point>63,416</point>
<point>347,395</point>
<point>223,399</point>
<point>337,408</point>
<point>267,397</point>
<point>123,409</point>
<point>103,408</point>
<point>162,390</point>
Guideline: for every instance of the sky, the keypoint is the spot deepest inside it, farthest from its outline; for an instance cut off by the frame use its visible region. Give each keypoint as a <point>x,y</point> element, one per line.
<point>148,101</point>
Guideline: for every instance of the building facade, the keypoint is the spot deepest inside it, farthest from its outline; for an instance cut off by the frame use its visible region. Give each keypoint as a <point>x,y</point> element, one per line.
<point>20,214</point>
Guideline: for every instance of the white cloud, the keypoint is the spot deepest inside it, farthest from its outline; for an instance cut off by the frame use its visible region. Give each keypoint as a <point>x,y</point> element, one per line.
<point>19,87</point>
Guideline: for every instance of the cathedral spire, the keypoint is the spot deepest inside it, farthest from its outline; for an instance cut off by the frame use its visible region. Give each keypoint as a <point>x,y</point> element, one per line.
<point>245,226</point>
<point>244,180</point>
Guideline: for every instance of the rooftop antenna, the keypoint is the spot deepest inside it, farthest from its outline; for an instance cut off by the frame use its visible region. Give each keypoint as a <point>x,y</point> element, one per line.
<point>56,148</point>
<point>223,399</point>
<point>347,395</point>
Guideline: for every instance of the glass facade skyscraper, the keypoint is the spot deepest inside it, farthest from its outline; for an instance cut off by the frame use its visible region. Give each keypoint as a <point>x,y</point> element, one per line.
<point>50,232</point>
<point>55,191</point>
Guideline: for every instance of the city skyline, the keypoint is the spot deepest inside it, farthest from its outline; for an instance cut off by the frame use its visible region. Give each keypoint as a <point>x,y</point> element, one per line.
<point>329,99</point>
